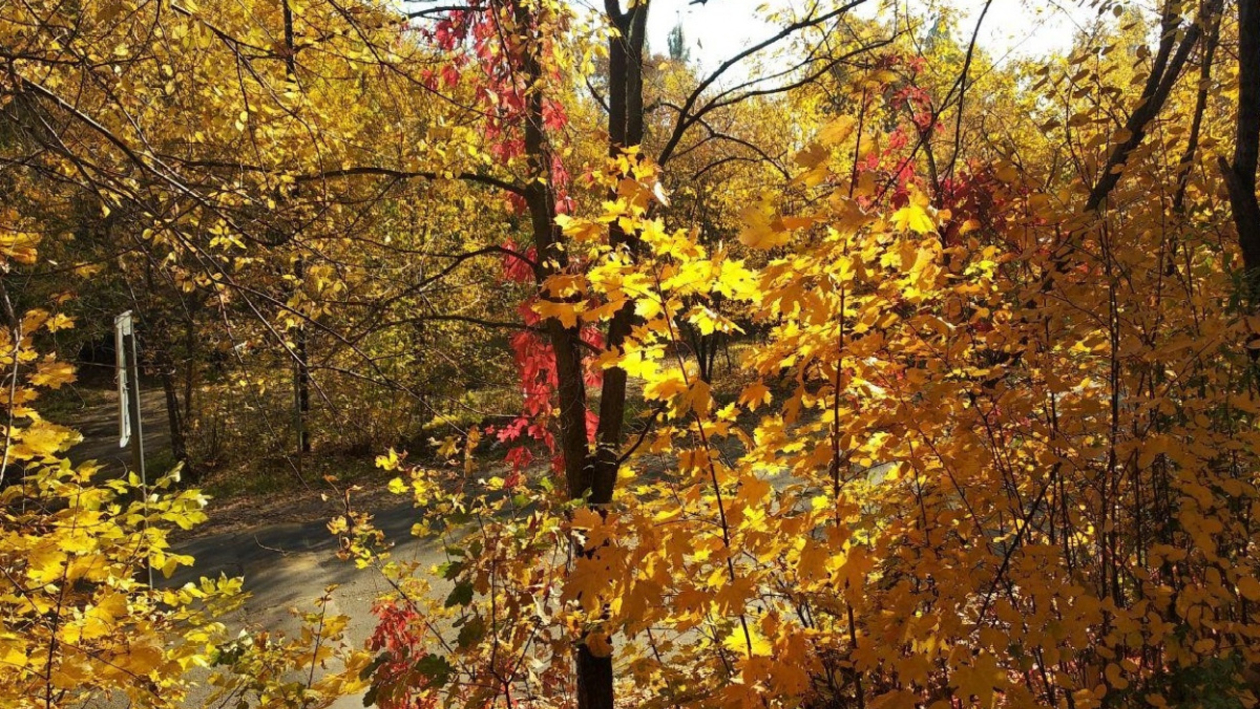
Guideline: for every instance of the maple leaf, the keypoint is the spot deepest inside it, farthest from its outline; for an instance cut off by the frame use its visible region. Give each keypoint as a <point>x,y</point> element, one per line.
<point>745,639</point>
<point>581,230</point>
<point>837,130</point>
<point>53,374</point>
<point>760,228</point>
<point>566,313</point>
<point>914,218</point>
<point>754,395</point>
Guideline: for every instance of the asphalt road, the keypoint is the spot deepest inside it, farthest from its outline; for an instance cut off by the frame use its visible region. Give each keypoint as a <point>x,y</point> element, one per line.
<point>284,566</point>
<point>99,426</point>
<point>288,566</point>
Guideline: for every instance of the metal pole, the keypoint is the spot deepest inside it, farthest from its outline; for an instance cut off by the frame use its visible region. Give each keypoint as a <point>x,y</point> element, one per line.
<point>132,369</point>
<point>133,409</point>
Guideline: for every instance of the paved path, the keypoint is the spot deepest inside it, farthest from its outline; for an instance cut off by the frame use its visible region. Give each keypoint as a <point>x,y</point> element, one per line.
<point>284,565</point>
<point>99,426</point>
<point>289,565</point>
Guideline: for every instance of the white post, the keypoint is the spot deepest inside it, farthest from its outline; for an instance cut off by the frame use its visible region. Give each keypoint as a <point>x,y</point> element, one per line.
<point>130,428</point>
<point>122,328</point>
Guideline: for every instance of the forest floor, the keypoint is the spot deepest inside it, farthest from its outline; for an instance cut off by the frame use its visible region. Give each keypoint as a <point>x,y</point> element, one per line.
<point>92,410</point>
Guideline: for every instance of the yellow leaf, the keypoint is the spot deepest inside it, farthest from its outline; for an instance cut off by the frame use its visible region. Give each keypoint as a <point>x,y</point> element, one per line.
<point>448,447</point>
<point>19,247</point>
<point>1249,587</point>
<point>812,156</point>
<point>837,130</point>
<point>1115,677</point>
<point>761,230</point>
<point>745,639</point>
<point>44,564</point>
<point>754,395</point>
<point>59,321</point>
<point>53,374</point>
<point>599,644</point>
<point>699,397</point>
<point>12,656</point>
<point>580,230</point>
<point>566,313</point>
<point>388,462</point>
<point>913,217</point>
<point>42,440</point>
<point>664,387</point>
<point>597,529</point>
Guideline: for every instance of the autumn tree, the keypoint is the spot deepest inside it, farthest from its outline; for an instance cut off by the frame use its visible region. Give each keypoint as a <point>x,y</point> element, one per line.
<point>980,382</point>
<point>992,437</point>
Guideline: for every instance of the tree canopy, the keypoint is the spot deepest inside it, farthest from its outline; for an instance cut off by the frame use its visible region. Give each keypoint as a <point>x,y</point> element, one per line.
<point>863,367</point>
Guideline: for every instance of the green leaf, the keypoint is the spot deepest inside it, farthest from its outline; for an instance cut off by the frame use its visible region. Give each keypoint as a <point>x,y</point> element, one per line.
<point>450,569</point>
<point>374,665</point>
<point>435,669</point>
<point>461,595</point>
<point>471,633</point>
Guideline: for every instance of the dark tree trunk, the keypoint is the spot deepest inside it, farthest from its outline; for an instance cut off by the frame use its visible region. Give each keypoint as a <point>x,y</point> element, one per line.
<point>1167,67</point>
<point>594,674</point>
<point>566,342</point>
<point>174,414</point>
<point>165,360</point>
<point>1240,176</point>
<point>625,129</point>
<point>190,374</point>
<point>1211,14</point>
<point>302,369</point>
<point>589,477</point>
<point>599,475</point>
<point>302,376</point>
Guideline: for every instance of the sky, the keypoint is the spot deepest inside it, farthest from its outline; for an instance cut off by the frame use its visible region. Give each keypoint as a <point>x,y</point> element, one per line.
<point>721,28</point>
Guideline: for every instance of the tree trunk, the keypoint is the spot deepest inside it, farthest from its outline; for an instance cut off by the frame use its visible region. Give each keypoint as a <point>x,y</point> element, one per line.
<point>302,370</point>
<point>1211,14</point>
<point>588,477</point>
<point>594,674</point>
<point>179,446</point>
<point>302,375</point>
<point>1240,177</point>
<point>190,374</point>
<point>1167,67</point>
<point>625,129</point>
